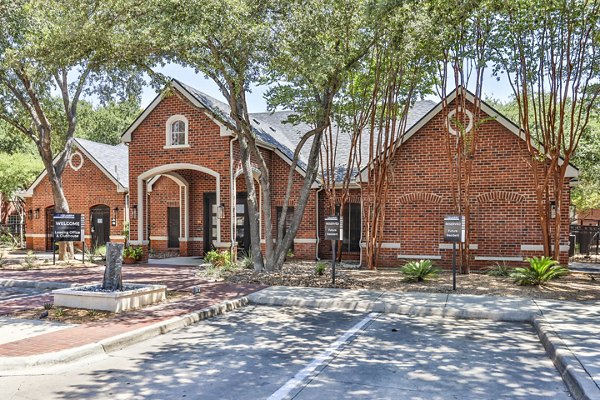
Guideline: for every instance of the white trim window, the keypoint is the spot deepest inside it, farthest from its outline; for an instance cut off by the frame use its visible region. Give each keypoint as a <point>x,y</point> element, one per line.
<point>177,132</point>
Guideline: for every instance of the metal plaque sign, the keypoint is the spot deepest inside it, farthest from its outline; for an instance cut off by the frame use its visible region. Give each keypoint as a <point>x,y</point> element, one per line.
<point>333,228</point>
<point>68,228</point>
<point>454,228</point>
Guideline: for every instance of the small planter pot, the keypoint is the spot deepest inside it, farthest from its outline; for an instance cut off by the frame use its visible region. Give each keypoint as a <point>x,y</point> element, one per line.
<point>129,260</point>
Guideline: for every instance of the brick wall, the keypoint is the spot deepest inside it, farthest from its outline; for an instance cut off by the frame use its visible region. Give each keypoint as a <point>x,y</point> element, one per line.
<point>503,205</point>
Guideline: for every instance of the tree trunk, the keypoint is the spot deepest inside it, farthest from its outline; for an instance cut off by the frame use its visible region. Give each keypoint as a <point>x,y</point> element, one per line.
<point>254,215</point>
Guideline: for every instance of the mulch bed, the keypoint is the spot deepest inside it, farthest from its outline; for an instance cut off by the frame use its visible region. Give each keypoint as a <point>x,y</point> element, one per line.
<point>573,287</point>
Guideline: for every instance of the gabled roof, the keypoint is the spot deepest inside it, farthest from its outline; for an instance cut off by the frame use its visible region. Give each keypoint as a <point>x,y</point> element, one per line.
<point>572,171</point>
<point>113,161</point>
<point>220,113</point>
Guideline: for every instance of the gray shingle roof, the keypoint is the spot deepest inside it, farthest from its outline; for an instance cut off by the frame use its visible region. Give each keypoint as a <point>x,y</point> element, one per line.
<point>222,111</point>
<point>278,122</point>
<point>274,129</point>
<point>114,159</point>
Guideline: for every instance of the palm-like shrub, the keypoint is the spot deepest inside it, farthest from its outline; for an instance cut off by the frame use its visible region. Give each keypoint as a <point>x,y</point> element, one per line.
<point>419,271</point>
<point>540,271</point>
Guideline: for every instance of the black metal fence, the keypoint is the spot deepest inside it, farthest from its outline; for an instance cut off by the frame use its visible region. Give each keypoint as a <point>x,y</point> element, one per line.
<point>584,240</point>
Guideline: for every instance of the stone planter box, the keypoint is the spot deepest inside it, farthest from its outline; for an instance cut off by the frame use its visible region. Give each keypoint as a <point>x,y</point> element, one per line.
<point>136,296</point>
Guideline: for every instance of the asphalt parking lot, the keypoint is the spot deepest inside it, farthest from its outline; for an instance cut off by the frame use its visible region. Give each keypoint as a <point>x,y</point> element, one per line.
<point>268,352</point>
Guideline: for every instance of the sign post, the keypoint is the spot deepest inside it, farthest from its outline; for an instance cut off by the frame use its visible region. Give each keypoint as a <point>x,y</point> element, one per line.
<point>333,232</point>
<point>454,231</point>
<point>68,227</point>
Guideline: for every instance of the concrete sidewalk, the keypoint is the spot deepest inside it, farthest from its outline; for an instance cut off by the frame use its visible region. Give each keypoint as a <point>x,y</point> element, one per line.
<point>569,331</point>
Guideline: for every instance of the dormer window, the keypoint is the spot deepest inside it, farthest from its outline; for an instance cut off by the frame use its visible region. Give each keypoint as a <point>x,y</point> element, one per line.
<point>177,131</point>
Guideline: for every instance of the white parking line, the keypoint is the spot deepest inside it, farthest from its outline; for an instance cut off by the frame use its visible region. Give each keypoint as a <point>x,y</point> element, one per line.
<point>319,360</point>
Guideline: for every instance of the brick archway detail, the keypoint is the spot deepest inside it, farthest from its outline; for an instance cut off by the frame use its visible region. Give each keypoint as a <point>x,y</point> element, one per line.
<point>420,197</point>
<point>489,197</point>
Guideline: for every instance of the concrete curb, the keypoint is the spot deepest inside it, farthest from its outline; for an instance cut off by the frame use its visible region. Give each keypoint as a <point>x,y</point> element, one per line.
<point>382,307</point>
<point>578,381</point>
<point>17,365</point>
<point>35,284</point>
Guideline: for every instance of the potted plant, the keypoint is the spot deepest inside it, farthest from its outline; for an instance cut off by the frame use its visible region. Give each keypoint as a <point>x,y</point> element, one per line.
<point>132,254</point>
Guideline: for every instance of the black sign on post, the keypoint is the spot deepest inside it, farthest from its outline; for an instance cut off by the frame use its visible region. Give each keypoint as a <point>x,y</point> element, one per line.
<point>69,227</point>
<point>454,231</point>
<point>332,228</point>
<point>333,232</point>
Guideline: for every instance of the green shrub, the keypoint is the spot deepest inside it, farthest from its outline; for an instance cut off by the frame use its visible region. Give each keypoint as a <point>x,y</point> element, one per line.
<point>290,253</point>
<point>500,270</point>
<point>320,268</point>
<point>100,251</point>
<point>419,271</point>
<point>218,259</point>
<point>245,260</point>
<point>540,271</point>
<point>30,260</point>
<point>135,252</point>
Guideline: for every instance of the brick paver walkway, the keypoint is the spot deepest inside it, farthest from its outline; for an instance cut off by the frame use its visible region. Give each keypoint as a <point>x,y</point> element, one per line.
<point>176,278</point>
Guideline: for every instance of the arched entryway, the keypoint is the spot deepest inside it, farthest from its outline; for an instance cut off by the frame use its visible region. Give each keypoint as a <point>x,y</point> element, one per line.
<point>195,184</point>
<point>100,225</point>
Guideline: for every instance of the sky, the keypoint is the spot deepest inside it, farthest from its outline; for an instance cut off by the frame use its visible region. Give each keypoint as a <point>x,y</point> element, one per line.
<point>492,88</point>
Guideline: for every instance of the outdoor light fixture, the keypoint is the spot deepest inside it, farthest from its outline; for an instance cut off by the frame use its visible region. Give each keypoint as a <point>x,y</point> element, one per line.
<point>134,211</point>
<point>552,209</point>
<point>113,221</point>
<point>37,213</point>
<point>221,212</point>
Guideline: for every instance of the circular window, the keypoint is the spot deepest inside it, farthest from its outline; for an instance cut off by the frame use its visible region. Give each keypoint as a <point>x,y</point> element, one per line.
<point>452,119</point>
<point>76,161</point>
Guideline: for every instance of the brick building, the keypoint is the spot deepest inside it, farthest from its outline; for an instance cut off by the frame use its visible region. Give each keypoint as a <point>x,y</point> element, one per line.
<point>95,182</point>
<point>187,190</point>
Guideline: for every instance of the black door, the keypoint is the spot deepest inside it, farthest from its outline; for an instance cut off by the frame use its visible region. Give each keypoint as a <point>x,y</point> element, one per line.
<point>173,221</point>
<point>100,225</point>
<point>242,223</point>
<point>49,227</point>
<point>210,220</point>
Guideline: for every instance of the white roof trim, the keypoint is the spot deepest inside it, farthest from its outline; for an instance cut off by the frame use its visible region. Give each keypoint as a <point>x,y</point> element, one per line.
<point>508,124</point>
<point>120,188</point>
<point>126,137</point>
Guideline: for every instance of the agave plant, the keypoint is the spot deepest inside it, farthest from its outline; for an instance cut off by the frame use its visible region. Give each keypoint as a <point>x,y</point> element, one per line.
<point>419,271</point>
<point>540,271</point>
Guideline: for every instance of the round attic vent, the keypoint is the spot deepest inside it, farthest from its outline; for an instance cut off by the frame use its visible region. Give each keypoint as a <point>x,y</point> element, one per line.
<point>74,163</point>
<point>451,120</point>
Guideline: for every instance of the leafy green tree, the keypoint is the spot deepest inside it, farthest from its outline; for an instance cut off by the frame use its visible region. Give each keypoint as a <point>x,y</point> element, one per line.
<point>586,195</point>
<point>17,172</point>
<point>550,53</point>
<point>106,123</point>
<point>56,47</point>
<point>309,44</point>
